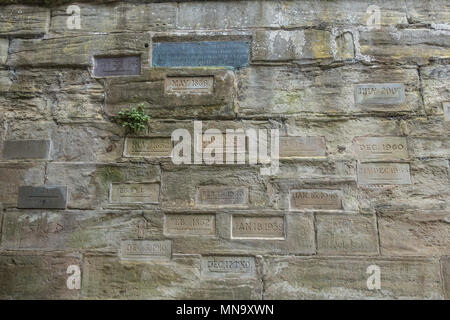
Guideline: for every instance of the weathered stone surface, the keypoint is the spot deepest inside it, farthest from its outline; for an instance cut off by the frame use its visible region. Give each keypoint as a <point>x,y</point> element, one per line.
<point>149,90</point>
<point>119,17</point>
<point>281,45</point>
<point>354,100</point>
<point>342,133</point>
<point>42,197</point>
<point>75,230</point>
<point>446,274</point>
<point>65,95</point>
<point>314,13</point>
<point>414,233</point>
<point>77,50</point>
<point>26,149</point>
<point>346,235</point>
<point>181,186</point>
<point>302,147</point>
<point>15,175</point>
<point>36,275</point>
<point>434,13</point>
<point>279,234</point>
<point>4,45</point>
<point>222,15</point>
<point>346,278</point>
<point>406,45</point>
<point>178,278</point>
<point>446,108</point>
<point>90,183</point>
<point>345,46</point>
<point>428,190</point>
<point>283,91</point>
<point>24,21</point>
<point>436,82</point>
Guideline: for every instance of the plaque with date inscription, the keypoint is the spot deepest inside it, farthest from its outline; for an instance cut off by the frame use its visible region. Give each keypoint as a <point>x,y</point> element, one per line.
<point>117,66</point>
<point>235,54</point>
<point>380,93</point>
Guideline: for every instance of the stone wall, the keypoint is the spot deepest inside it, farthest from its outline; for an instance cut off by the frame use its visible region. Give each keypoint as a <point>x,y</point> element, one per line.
<point>362,108</point>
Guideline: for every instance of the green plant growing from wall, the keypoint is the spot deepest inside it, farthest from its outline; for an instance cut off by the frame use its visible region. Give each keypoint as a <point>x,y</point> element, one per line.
<point>134,119</point>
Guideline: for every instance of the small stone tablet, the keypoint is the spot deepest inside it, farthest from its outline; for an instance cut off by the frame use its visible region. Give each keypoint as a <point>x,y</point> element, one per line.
<point>381,148</point>
<point>316,199</point>
<point>258,227</point>
<point>302,147</point>
<point>380,93</point>
<point>26,149</point>
<point>46,197</point>
<point>189,85</point>
<point>148,147</point>
<point>134,193</point>
<point>222,196</point>
<point>446,107</point>
<point>190,224</point>
<point>141,250</point>
<point>228,265</point>
<point>384,173</point>
<point>117,66</point>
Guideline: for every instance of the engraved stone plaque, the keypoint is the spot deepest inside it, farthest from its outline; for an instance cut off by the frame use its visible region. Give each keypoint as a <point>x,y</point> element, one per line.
<point>236,145</point>
<point>148,147</point>
<point>222,196</point>
<point>26,149</point>
<point>190,224</point>
<point>381,148</point>
<point>446,107</point>
<point>299,147</point>
<point>117,66</point>
<point>384,173</point>
<point>228,265</point>
<point>258,227</point>
<point>134,193</point>
<point>45,197</point>
<point>316,199</point>
<point>379,93</point>
<point>189,85</point>
<point>138,250</point>
<point>204,53</point>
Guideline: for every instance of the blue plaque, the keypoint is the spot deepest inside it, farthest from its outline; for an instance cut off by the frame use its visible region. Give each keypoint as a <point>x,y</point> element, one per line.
<point>235,54</point>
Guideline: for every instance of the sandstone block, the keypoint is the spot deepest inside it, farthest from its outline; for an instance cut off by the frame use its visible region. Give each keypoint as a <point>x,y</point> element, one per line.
<point>338,278</point>
<point>16,175</point>
<point>76,51</point>
<point>36,275</point>
<point>346,235</point>
<point>151,89</point>
<point>120,17</point>
<point>24,21</point>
